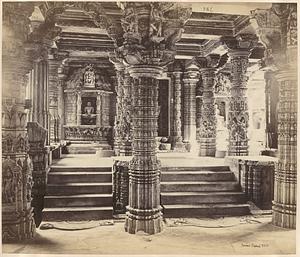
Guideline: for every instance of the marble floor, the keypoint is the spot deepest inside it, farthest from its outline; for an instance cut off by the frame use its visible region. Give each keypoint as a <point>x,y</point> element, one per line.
<point>251,235</point>
<point>167,159</point>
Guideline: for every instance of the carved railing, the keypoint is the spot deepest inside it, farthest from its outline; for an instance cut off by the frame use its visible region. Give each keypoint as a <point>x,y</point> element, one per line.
<point>120,186</point>
<point>39,154</point>
<point>77,133</point>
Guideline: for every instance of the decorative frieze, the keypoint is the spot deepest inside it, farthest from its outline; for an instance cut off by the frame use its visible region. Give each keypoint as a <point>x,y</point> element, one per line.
<point>92,133</point>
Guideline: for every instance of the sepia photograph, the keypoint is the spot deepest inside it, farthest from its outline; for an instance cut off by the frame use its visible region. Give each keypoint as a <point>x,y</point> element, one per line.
<point>149,128</point>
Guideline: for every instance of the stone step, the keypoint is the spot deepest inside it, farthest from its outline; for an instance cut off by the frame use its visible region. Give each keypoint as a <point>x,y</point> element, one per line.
<point>205,210</point>
<point>199,186</point>
<point>168,198</point>
<point>82,200</point>
<point>56,168</point>
<point>79,188</point>
<point>196,168</point>
<point>80,176</point>
<point>77,213</point>
<point>197,176</point>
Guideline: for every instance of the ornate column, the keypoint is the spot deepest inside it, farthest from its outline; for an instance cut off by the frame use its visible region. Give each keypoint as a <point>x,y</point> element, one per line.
<point>272,98</point>
<point>144,211</point>
<point>239,50</point>
<point>191,77</point>
<point>17,215</point>
<point>126,143</point>
<point>280,24</point>
<point>208,124</point>
<point>53,65</point>
<point>98,111</point>
<point>39,153</point>
<point>123,122</point>
<point>119,105</point>
<point>177,136</point>
<point>148,46</point>
<point>78,109</point>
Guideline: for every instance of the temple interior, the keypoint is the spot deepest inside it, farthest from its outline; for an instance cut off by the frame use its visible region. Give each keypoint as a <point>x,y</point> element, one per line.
<point>163,120</point>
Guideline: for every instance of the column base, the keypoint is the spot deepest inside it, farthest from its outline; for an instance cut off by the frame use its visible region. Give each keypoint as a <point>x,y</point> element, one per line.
<point>19,229</point>
<point>284,216</point>
<point>179,147</point>
<point>207,147</point>
<point>238,151</point>
<point>149,224</point>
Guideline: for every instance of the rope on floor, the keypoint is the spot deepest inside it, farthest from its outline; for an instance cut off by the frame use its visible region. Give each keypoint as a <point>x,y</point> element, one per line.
<point>184,222</point>
<point>47,226</point>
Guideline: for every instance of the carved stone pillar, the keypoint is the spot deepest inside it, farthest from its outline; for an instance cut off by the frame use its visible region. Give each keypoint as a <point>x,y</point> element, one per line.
<point>280,23</point>
<point>208,124</point>
<point>239,49</point>
<point>144,210</point>
<point>78,109</point>
<point>191,77</point>
<point>119,107</point>
<point>126,142</point>
<point>207,131</point>
<point>148,47</point>
<point>98,111</point>
<point>38,152</point>
<point>272,98</point>
<point>53,65</point>
<point>17,215</point>
<point>238,116</point>
<point>177,136</point>
<point>123,123</point>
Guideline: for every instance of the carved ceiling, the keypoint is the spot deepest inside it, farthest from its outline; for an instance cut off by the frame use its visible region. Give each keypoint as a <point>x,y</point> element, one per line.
<point>80,36</point>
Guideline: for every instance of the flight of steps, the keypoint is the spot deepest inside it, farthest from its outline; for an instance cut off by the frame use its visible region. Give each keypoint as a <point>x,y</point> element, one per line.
<point>75,193</point>
<point>201,191</point>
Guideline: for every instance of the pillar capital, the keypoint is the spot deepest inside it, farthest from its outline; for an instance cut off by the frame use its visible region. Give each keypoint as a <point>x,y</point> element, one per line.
<point>151,31</point>
<point>240,44</point>
<point>277,30</point>
<point>210,62</point>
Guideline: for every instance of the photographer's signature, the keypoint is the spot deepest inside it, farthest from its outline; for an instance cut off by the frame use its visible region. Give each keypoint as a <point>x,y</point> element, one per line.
<point>255,245</point>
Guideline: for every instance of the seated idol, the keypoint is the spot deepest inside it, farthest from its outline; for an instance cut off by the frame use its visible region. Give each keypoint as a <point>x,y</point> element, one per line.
<point>89,109</point>
<point>88,115</point>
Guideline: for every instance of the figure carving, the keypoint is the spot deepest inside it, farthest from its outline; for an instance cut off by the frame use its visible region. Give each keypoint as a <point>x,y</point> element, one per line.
<point>11,180</point>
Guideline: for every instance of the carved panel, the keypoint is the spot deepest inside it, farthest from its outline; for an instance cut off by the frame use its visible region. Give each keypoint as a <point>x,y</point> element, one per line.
<point>88,133</point>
